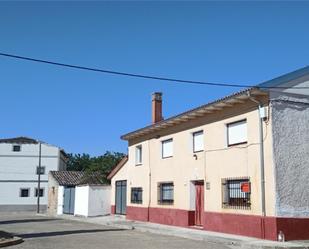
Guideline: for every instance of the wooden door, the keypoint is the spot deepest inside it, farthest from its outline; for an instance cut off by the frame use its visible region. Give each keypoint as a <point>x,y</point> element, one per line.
<point>199,203</point>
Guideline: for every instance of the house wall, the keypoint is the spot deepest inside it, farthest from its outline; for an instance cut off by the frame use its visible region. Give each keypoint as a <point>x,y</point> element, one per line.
<point>99,200</point>
<point>290,115</point>
<point>18,170</point>
<point>60,200</point>
<point>82,204</point>
<point>92,200</point>
<point>52,195</point>
<point>217,161</point>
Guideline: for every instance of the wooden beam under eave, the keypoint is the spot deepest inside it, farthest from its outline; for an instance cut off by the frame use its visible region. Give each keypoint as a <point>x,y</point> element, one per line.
<point>258,93</point>
<point>223,104</point>
<point>235,101</point>
<point>204,111</point>
<point>213,108</point>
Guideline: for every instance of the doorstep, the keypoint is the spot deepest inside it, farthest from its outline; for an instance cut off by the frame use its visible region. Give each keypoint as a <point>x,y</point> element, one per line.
<point>235,241</point>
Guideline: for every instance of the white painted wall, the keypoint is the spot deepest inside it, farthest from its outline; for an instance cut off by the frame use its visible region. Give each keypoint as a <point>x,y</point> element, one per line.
<point>99,200</point>
<point>60,200</point>
<point>92,200</point>
<point>18,170</point>
<point>81,200</point>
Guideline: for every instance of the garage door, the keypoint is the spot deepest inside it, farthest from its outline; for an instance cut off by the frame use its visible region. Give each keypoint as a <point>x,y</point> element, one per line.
<point>68,200</point>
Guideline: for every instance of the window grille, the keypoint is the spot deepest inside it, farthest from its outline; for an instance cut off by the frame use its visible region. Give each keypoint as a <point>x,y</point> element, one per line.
<point>137,195</point>
<point>166,193</point>
<point>236,193</point>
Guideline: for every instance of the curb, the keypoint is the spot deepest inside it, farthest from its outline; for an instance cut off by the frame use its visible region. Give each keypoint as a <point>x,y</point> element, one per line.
<point>10,242</point>
<point>232,242</point>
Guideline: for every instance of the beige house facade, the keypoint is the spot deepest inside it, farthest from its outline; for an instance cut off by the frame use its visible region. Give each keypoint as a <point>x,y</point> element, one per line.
<point>224,166</point>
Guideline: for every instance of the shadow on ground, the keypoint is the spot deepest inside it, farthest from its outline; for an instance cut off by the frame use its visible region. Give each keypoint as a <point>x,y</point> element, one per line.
<point>5,222</point>
<point>61,233</point>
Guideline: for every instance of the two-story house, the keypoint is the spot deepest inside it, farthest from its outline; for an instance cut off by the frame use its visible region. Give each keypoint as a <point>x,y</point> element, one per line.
<point>237,165</point>
<point>19,168</point>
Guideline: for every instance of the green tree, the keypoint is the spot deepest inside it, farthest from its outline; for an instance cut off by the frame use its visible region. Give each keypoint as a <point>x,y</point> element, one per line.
<point>100,164</point>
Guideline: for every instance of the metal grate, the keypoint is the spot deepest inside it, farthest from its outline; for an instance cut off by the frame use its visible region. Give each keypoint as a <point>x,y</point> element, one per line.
<point>236,193</point>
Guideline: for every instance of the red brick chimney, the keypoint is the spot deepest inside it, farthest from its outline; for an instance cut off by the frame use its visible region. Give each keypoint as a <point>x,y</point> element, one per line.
<point>156,107</point>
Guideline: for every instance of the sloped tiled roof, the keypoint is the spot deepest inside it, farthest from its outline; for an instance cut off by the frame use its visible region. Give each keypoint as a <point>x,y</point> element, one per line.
<point>74,178</point>
<point>67,178</point>
<point>117,167</point>
<point>19,140</point>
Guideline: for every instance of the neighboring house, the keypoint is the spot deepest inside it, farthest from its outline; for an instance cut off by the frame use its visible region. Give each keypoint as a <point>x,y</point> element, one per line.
<point>208,168</point>
<point>77,193</point>
<point>19,161</point>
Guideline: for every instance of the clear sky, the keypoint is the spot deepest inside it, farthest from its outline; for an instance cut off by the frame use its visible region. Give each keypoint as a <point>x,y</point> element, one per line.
<point>230,42</point>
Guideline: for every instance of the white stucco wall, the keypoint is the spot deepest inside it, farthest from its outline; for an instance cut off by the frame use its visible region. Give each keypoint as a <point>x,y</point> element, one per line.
<point>60,200</point>
<point>99,200</point>
<point>82,201</point>
<point>92,200</point>
<point>18,170</point>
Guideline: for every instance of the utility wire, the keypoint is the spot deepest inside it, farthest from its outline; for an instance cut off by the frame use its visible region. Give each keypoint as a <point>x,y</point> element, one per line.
<point>139,75</point>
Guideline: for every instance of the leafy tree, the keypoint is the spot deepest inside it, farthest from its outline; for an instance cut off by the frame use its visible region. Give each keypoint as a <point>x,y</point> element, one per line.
<point>100,164</point>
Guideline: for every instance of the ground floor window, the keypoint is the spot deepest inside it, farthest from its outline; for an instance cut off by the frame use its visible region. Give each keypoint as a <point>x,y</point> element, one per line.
<point>137,195</point>
<point>24,192</point>
<point>41,192</point>
<point>166,193</point>
<point>236,193</point>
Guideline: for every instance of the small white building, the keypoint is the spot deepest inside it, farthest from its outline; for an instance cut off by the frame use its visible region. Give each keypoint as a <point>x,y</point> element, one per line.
<point>19,161</point>
<point>77,193</point>
<point>92,200</point>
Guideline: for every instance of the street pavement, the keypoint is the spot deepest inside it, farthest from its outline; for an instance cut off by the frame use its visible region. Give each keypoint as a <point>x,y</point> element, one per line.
<point>50,233</point>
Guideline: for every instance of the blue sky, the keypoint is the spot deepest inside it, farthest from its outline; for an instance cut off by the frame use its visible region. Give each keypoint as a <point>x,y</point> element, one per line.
<point>230,42</point>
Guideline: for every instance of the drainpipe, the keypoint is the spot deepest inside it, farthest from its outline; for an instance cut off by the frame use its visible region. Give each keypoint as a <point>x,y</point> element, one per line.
<point>262,167</point>
<point>149,184</point>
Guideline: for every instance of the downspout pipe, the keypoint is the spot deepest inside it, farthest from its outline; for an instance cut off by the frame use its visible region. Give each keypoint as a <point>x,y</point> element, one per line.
<point>262,166</point>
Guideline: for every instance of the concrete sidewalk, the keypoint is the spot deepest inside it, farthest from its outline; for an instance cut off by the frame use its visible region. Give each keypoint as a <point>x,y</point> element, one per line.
<point>234,241</point>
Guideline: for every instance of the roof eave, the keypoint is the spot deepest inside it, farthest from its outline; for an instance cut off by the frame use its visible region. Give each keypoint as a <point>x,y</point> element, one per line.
<point>201,111</point>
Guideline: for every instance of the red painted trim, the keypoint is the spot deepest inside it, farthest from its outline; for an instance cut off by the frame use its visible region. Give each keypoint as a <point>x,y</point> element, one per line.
<point>168,216</point>
<point>294,228</point>
<point>137,213</point>
<point>247,225</point>
<point>240,224</point>
<point>113,209</point>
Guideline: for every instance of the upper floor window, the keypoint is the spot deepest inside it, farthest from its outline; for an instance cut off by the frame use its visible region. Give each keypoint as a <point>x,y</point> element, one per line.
<point>16,148</point>
<point>198,141</point>
<point>237,133</point>
<point>41,192</point>
<point>138,154</point>
<point>167,148</point>
<point>24,192</point>
<point>40,170</point>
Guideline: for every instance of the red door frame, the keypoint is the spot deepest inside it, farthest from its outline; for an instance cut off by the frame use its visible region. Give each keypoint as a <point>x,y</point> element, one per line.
<point>199,202</point>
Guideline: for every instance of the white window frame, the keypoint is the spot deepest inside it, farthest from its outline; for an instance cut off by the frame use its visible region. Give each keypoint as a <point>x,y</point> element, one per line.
<point>170,140</point>
<point>194,135</point>
<point>138,157</point>
<point>243,139</point>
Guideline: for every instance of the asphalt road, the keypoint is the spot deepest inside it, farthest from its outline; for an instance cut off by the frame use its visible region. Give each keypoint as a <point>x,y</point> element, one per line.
<point>50,233</point>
